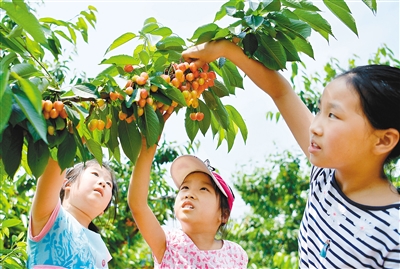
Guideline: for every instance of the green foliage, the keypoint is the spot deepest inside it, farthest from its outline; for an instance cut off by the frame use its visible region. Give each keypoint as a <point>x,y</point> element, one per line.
<point>27,80</point>
<point>277,193</point>
<point>14,208</point>
<point>274,32</point>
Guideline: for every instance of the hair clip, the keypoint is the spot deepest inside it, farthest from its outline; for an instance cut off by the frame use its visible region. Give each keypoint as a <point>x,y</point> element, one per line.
<point>207,163</point>
<point>325,248</point>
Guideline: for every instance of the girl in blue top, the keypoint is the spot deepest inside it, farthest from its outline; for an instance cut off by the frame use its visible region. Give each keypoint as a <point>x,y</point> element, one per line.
<point>352,217</point>
<point>61,231</point>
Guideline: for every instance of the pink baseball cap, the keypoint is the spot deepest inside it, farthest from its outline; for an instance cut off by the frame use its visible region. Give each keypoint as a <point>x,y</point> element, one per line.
<point>184,165</point>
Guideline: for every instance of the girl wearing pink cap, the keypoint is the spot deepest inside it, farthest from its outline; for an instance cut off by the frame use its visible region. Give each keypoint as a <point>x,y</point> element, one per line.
<point>202,206</point>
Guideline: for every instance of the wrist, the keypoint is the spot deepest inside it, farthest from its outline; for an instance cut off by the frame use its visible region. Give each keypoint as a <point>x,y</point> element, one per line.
<point>228,50</point>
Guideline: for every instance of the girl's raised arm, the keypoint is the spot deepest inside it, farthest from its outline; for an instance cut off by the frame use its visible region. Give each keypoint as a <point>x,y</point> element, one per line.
<point>293,110</point>
<point>46,196</point>
<point>137,199</point>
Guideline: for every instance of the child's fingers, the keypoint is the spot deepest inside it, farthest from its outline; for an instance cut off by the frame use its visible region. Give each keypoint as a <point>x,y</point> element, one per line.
<point>194,54</point>
<point>166,115</point>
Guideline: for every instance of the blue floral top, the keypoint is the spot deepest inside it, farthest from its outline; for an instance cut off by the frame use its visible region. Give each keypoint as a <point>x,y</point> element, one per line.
<point>65,243</point>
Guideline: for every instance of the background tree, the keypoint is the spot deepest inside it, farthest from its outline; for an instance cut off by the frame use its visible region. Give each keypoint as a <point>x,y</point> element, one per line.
<point>276,189</point>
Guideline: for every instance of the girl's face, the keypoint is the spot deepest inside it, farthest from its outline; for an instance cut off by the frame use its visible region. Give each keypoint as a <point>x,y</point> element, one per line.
<point>340,133</point>
<point>197,203</point>
<point>92,191</point>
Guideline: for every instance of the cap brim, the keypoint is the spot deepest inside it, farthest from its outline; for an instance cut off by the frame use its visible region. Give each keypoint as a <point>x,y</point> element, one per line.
<point>184,165</point>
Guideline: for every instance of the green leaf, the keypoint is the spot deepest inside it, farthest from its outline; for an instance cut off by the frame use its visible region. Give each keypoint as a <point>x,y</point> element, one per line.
<point>191,126</point>
<point>253,5</point>
<point>230,135</point>
<point>21,15</point>
<point>25,70</point>
<point>95,148</point>
<point>149,27</point>
<point>215,126</point>
<point>254,21</point>
<point>371,4</point>
<point>34,48</point>
<point>219,89</point>
<point>84,90</point>
<point>271,5</point>
<point>171,43</point>
<point>53,21</point>
<point>316,21</point>
<point>152,125</point>
<point>81,152</point>
<point>5,71</point>
<point>120,41</point>
<point>38,155</point>
<point>300,4</point>
<point>211,27</point>
<point>303,46</point>
<point>36,118</point>
<point>16,32</point>
<point>144,57</point>
<point>295,27</point>
<point>149,20</point>
<point>205,37</point>
<point>9,223</point>
<point>231,75</point>
<point>217,108</point>
<point>11,144</point>
<point>72,34</point>
<point>5,108</point>
<point>250,44</point>
<point>162,31</point>
<point>110,71</point>
<point>238,120</point>
<point>67,151</point>
<point>113,143</point>
<point>206,122</point>
<point>290,49</point>
<point>271,52</point>
<point>340,9</point>
<point>120,60</point>
<point>223,10</point>
<point>14,44</point>
<point>131,140</point>
<point>168,90</point>
<point>90,17</point>
<point>159,63</point>
<point>221,33</point>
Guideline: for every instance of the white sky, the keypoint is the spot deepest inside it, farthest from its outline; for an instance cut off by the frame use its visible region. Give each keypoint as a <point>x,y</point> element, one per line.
<point>183,17</point>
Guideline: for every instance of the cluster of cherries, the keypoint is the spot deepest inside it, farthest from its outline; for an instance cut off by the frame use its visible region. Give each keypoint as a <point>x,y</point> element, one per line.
<point>189,79</point>
<point>54,111</point>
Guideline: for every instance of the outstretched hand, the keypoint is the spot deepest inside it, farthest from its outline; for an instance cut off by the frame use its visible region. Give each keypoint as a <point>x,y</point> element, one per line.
<point>207,52</point>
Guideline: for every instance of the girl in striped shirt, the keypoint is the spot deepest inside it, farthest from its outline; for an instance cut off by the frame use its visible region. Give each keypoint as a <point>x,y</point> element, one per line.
<point>352,216</point>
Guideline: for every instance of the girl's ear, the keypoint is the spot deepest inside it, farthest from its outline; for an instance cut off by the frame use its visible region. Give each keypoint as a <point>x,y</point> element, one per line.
<point>66,184</point>
<point>225,216</point>
<point>387,140</point>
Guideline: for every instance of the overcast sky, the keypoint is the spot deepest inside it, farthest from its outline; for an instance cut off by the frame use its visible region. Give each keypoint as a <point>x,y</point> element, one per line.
<point>183,17</point>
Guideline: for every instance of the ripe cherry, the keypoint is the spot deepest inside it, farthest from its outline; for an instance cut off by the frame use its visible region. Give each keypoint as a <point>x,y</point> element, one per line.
<point>199,116</point>
<point>128,68</point>
<point>192,116</point>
